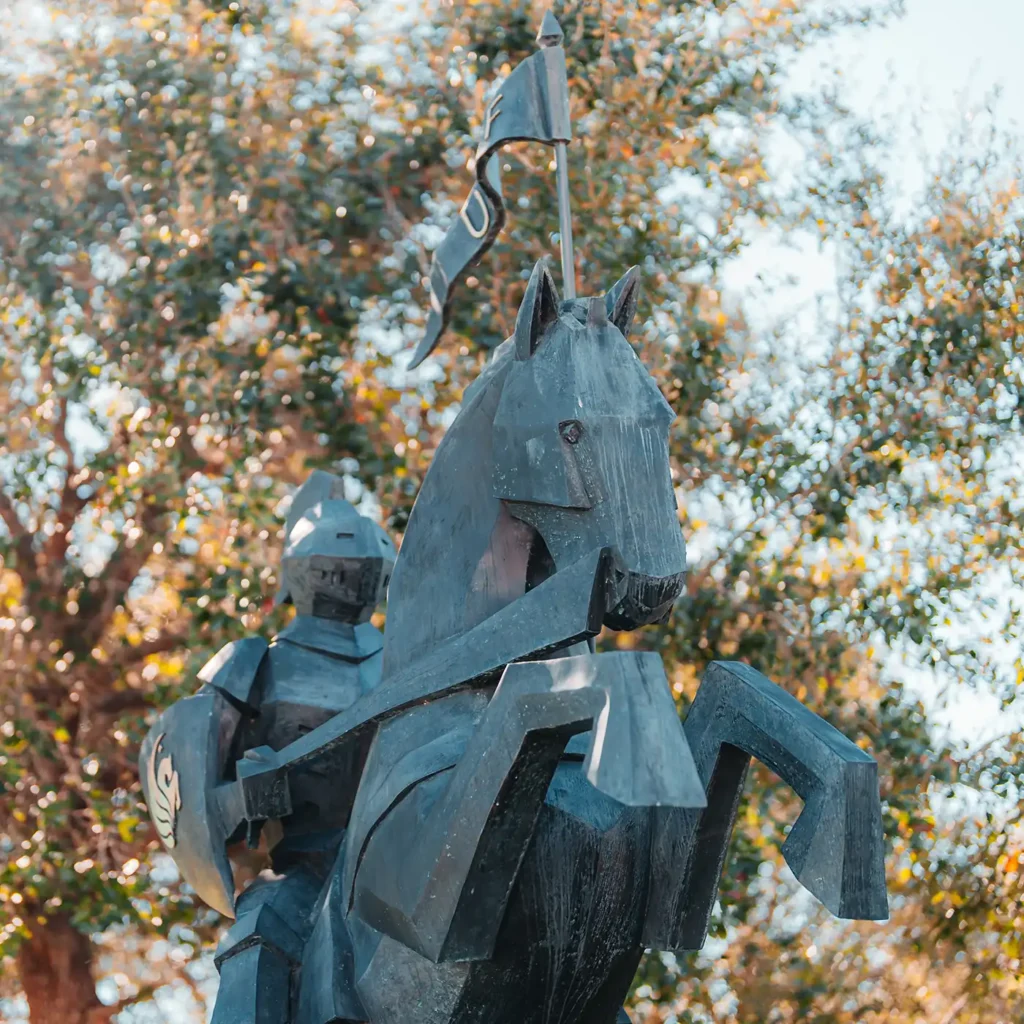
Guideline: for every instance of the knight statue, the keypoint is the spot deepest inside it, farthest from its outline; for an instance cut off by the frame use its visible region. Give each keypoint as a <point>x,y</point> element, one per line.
<point>495,829</point>
<point>335,568</point>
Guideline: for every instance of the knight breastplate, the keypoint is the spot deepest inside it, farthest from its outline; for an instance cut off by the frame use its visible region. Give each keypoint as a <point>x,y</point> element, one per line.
<point>312,670</point>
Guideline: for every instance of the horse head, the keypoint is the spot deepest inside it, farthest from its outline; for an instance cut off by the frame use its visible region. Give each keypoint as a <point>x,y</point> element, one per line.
<point>580,443</point>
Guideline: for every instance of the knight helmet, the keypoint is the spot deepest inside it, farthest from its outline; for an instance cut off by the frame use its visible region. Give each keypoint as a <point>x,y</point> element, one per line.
<point>336,563</point>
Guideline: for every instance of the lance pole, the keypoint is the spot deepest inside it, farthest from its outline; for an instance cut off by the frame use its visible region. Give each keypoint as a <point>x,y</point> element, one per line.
<point>565,221</point>
<point>551,34</point>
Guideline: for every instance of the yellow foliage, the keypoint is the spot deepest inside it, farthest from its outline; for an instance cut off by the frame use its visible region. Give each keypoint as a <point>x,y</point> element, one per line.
<point>11,588</point>
<point>126,828</point>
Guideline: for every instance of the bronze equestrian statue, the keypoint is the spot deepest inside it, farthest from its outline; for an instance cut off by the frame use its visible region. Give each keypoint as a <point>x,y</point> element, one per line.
<point>510,819</point>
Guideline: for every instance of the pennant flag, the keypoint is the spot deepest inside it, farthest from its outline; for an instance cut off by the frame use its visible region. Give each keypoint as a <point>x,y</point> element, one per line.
<point>532,105</point>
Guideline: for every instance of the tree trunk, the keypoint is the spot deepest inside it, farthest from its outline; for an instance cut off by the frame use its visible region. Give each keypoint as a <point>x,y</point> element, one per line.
<point>55,969</point>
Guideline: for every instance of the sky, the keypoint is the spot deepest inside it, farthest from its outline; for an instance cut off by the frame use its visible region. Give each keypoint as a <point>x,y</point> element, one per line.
<point>942,62</point>
<point>942,53</point>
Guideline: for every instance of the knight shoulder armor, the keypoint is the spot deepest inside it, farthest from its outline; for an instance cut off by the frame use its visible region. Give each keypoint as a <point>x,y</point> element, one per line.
<point>234,668</point>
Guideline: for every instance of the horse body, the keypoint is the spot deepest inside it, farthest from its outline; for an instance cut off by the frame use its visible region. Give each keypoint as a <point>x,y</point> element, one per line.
<point>533,475</point>
<point>521,836</point>
<point>570,939</point>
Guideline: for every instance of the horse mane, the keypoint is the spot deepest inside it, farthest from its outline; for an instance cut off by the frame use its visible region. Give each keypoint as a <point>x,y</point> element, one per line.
<point>463,557</point>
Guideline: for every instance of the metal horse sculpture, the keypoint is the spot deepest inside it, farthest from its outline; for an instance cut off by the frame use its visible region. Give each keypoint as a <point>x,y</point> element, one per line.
<point>531,815</point>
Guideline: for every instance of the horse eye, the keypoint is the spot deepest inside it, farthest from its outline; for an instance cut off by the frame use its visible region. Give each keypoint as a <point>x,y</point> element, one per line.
<point>571,431</point>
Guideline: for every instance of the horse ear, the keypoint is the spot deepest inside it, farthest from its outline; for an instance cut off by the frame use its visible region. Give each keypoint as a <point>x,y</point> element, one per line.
<point>538,310</point>
<point>621,300</point>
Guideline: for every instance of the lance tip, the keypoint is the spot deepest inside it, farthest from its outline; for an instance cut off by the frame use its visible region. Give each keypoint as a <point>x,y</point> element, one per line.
<point>550,33</point>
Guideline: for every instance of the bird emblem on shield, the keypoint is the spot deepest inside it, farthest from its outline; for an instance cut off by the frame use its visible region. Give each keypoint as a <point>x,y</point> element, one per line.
<point>164,794</point>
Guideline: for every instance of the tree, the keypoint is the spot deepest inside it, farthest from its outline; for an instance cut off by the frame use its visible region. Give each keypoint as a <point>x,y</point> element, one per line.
<point>176,320</point>
<point>213,231</point>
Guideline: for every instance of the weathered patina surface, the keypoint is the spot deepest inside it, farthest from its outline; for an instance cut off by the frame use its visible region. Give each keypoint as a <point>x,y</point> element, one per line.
<point>481,819</point>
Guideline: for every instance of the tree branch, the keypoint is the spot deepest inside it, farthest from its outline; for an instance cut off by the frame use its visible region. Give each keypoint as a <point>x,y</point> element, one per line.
<point>20,536</point>
<point>122,700</point>
<point>70,503</point>
<point>403,227</point>
<point>129,655</point>
<point>951,1013</point>
<point>120,573</point>
<point>60,431</point>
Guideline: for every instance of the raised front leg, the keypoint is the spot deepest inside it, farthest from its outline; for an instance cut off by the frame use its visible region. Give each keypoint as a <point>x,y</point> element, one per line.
<point>437,871</point>
<point>836,846</point>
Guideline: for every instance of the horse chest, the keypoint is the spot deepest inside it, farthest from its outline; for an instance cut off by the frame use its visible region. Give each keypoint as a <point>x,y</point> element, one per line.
<point>569,938</point>
<point>570,943</point>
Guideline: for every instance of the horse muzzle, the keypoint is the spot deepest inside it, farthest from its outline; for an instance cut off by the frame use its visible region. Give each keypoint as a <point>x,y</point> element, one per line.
<point>636,599</point>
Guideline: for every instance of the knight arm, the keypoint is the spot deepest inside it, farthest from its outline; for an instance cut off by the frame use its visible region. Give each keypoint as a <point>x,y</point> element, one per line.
<point>185,760</point>
<point>476,657</point>
<point>445,896</point>
<point>835,847</point>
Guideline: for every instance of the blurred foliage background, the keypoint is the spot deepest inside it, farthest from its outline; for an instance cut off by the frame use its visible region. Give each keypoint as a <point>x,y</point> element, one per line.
<point>215,223</point>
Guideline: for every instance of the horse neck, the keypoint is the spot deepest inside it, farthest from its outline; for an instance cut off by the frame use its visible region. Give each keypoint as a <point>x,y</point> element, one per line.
<point>463,557</point>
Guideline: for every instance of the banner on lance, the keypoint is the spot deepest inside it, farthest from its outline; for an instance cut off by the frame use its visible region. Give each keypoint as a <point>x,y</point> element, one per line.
<point>531,105</point>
